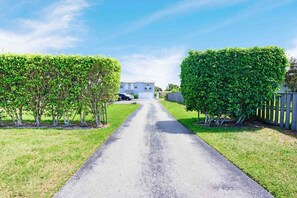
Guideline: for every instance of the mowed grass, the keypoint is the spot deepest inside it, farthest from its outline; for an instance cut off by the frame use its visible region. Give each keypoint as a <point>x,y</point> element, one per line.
<point>267,155</point>
<point>38,162</point>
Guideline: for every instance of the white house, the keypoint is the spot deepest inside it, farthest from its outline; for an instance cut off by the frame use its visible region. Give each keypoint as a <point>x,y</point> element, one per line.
<point>144,90</point>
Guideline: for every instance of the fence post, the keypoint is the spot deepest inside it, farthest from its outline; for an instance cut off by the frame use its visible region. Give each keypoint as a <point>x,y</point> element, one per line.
<point>281,122</point>
<point>276,109</point>
<point>267,111</point>
<point>271,111</point>
<point>288,111</point>
<point>294,112</point>
<point>262,110</point>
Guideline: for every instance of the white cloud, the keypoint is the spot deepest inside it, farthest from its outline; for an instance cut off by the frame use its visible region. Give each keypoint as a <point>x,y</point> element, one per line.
<point>161,66</point>
<point>293,51</point>
<point>53,30</point>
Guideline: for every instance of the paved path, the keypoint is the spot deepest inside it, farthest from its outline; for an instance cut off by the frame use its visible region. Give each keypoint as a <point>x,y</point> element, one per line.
<point>152,155</point>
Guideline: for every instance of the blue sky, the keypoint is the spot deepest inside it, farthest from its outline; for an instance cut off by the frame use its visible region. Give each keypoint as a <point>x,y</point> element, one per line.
<point>150,38</point>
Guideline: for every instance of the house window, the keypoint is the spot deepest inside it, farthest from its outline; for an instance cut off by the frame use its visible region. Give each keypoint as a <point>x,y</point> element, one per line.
<point>135,86</point>
<point>122,86</point>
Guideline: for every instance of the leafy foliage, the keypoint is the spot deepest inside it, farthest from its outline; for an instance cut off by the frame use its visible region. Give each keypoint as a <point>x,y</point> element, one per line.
<point>291,75</point>
<point>171,87</point>
<point>158,89</point>
<point>231,82</point>
<point>60,86</point>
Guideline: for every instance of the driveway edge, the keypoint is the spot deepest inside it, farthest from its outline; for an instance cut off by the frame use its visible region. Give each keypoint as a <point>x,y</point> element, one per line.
<point>96,155</point>
<point>216,154</point>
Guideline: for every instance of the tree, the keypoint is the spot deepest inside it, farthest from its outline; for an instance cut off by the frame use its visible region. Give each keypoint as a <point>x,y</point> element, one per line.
<point>38,85</point>
<point>231,82</point>
<point>291,75</point>
<point>57,86</point>
<point>12,89</point>
<point>158,89</point>
<point>171,87</point>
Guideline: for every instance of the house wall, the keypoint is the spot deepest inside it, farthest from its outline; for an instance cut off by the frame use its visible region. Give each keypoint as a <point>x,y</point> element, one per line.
<point>142,87</point>
<point>137,87</point>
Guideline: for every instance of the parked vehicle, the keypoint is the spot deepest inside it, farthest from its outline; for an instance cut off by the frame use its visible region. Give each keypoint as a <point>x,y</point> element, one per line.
<point>124,96</point>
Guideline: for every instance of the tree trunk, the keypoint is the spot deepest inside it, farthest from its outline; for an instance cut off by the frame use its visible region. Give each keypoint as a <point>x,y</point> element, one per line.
<point>37,120</point>
<point>21,115</point>
<point>206,119</point>
<point>198,118</point>
<point>1,122</point>
<point>222,122</point>
<point>218,120</point>
<point>55,121</point>
<point>106,115</point>
<point>240,120</point>
<point>18,121</point>
<point>83,119</point>
<point>97,121</point>
<point>66,122</point>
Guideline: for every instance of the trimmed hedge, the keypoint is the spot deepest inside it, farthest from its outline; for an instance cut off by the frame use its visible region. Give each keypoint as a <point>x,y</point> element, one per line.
<point>60,86</point>
<point>231,82</point>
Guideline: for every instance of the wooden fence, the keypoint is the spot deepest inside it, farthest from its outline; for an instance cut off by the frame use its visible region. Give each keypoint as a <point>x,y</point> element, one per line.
<point>281,111</point>
<point>175,97</point>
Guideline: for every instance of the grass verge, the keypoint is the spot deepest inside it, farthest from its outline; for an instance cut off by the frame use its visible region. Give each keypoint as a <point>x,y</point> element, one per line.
<point>38,162</point>
<point>268,155</point>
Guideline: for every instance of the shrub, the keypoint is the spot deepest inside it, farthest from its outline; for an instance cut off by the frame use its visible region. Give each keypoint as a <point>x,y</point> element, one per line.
<point>135,96</point>
<point>231,82</point>
<point>171,87</point>
<point>291,75</point>
<point>60,86</point>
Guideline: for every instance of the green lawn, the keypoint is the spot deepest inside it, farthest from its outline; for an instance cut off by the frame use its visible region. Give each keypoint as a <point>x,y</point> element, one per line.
<point>38,162</point>
<point>267,155</point>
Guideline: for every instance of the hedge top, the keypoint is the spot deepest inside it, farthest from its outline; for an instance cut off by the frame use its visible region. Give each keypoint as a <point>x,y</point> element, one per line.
<point>231,81</point>
<point>61,85</point>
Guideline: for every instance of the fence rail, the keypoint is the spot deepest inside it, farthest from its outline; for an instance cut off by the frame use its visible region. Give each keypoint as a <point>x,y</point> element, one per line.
<point>281,111</point>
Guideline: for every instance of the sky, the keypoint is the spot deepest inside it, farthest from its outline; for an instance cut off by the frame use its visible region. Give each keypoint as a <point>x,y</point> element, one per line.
<point>149,38</point>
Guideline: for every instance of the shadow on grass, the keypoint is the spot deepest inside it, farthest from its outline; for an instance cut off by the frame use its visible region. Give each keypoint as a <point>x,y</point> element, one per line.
<point>282,130</point>
<point>41,128</point>
<point>48,126</point>
<point>173,127</point>
<point>191,123</point>
<point>46,123</point>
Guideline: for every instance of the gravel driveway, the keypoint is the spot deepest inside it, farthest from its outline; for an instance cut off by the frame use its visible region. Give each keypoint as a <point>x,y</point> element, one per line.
<point>153,155</point>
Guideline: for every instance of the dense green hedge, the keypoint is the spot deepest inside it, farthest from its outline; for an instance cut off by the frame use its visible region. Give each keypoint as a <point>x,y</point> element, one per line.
<point>231,82</point>
<point>60,86</point>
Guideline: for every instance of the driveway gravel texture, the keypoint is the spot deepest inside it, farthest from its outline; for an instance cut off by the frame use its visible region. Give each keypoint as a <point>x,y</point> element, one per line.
<point>153,155</point>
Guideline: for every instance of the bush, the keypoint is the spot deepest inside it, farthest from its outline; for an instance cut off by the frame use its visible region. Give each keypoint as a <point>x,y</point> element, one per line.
<point>231,82</point>
<point>135,96</point>
<point>291,75</point>
<point>60,86</point>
